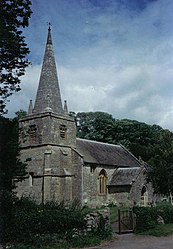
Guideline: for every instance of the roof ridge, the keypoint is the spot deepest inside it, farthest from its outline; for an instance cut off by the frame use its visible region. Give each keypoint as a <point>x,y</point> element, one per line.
<point>131,154</point>
<point>94,141</point>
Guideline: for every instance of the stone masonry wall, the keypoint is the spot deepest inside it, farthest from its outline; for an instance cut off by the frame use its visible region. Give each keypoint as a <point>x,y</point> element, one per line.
<point>129,197</point>
<point>91,194</point>
<point>62,175</point>
<point>93,219</point>
<point>45,129</point>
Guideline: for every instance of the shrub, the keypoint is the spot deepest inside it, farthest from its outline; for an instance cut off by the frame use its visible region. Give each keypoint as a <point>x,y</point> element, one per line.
<point>52,224</point>
<point>31,220</point>
<point>160,230</point>
<point>51,242</point>
<point>165,209</point>
<point>146,218</point>
<point>104,230</point>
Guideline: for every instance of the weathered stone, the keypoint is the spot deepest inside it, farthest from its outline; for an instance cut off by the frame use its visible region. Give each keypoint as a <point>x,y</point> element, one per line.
<point>160,220</point>
<point>63,168</point>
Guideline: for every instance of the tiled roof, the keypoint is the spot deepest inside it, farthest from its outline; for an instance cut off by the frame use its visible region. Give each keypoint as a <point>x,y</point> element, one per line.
<point>106,154</point>
<point>124,176</point>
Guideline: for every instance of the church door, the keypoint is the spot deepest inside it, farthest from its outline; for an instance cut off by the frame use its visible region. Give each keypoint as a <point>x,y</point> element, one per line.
<point>144,197</point>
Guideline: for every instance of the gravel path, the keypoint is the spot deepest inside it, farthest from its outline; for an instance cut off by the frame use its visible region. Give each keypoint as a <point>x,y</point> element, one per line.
<point>131,241</point>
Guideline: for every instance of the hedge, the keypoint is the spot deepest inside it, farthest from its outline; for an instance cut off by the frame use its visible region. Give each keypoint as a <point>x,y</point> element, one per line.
<point>146,217</point>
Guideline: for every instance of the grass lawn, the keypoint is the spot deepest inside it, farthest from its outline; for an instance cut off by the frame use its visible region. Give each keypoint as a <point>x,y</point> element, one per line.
<point>113,214</point>
<point>160,230</point>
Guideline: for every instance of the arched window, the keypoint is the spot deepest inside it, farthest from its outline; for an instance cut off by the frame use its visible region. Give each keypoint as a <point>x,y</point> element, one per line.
<point>102,182</point>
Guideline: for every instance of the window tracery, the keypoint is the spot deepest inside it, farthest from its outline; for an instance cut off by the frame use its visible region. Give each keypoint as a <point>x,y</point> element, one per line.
<point>102,182</point>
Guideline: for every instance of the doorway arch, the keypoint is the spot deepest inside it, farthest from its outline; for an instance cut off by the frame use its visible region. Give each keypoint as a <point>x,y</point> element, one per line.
<point>144,196</point>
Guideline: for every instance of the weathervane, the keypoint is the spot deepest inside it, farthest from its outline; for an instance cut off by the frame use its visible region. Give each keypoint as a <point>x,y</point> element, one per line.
<point>49,25</point>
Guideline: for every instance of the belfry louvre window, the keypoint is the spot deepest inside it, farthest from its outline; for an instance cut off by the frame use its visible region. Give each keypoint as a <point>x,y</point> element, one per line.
<point>63,130</point>
<point>32,130</point>
<point>102,182</point>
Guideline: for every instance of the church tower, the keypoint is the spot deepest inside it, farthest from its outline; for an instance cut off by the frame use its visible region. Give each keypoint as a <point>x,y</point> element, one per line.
<point>47,138</point>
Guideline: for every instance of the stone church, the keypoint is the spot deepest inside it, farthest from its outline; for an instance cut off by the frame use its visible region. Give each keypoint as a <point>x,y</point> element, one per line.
<point>62,167</point>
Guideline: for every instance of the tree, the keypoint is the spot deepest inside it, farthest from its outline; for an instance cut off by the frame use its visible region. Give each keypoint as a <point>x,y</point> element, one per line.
<point>95,126</point>
<point>161,165</point>
<point>138,137</point>
<point>10,167</point>
<point>150,142</point>
<point>14,16</point>
<point>20,114</point>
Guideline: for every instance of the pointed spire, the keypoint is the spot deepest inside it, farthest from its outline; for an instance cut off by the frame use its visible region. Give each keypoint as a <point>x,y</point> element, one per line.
<point>48,93</point>
<point>30,108</point>
<point>65,107</point>
<point>49,38</point>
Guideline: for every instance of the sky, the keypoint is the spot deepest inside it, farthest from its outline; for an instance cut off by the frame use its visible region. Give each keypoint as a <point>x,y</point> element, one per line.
<point>114,56</point>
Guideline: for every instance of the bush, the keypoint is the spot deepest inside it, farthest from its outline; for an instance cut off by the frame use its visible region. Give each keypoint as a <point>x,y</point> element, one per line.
<point>52,242</point>
<point>146,217</point>
<point>104,231</point>
<point>160,230</point>
<point>31,220</point>
<point>52,224</point>
<point>165,209</point>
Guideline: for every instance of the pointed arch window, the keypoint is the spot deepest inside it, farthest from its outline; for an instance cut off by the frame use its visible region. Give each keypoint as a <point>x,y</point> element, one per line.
<point>102,182</point>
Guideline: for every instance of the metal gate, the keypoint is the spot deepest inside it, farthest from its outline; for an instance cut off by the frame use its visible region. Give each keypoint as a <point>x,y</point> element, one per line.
<point>126,220</point>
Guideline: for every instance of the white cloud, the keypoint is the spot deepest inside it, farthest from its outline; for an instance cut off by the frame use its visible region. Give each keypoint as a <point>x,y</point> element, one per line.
<point>112,59</point>
<point>20,100</point>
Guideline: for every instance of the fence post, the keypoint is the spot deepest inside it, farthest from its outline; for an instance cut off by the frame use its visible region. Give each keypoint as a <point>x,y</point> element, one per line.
<point>119,221</point>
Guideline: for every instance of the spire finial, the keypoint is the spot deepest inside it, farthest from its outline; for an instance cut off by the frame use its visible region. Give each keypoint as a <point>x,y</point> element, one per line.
<point>65,107</point>
<point>49,25</point>
<point>30,108</point>
<point>49,38</point>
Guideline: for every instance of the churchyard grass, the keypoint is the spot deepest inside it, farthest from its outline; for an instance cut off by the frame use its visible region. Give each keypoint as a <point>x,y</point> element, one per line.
<point>80,242</point>
<point>160,230</point>
<point>113,214</point>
